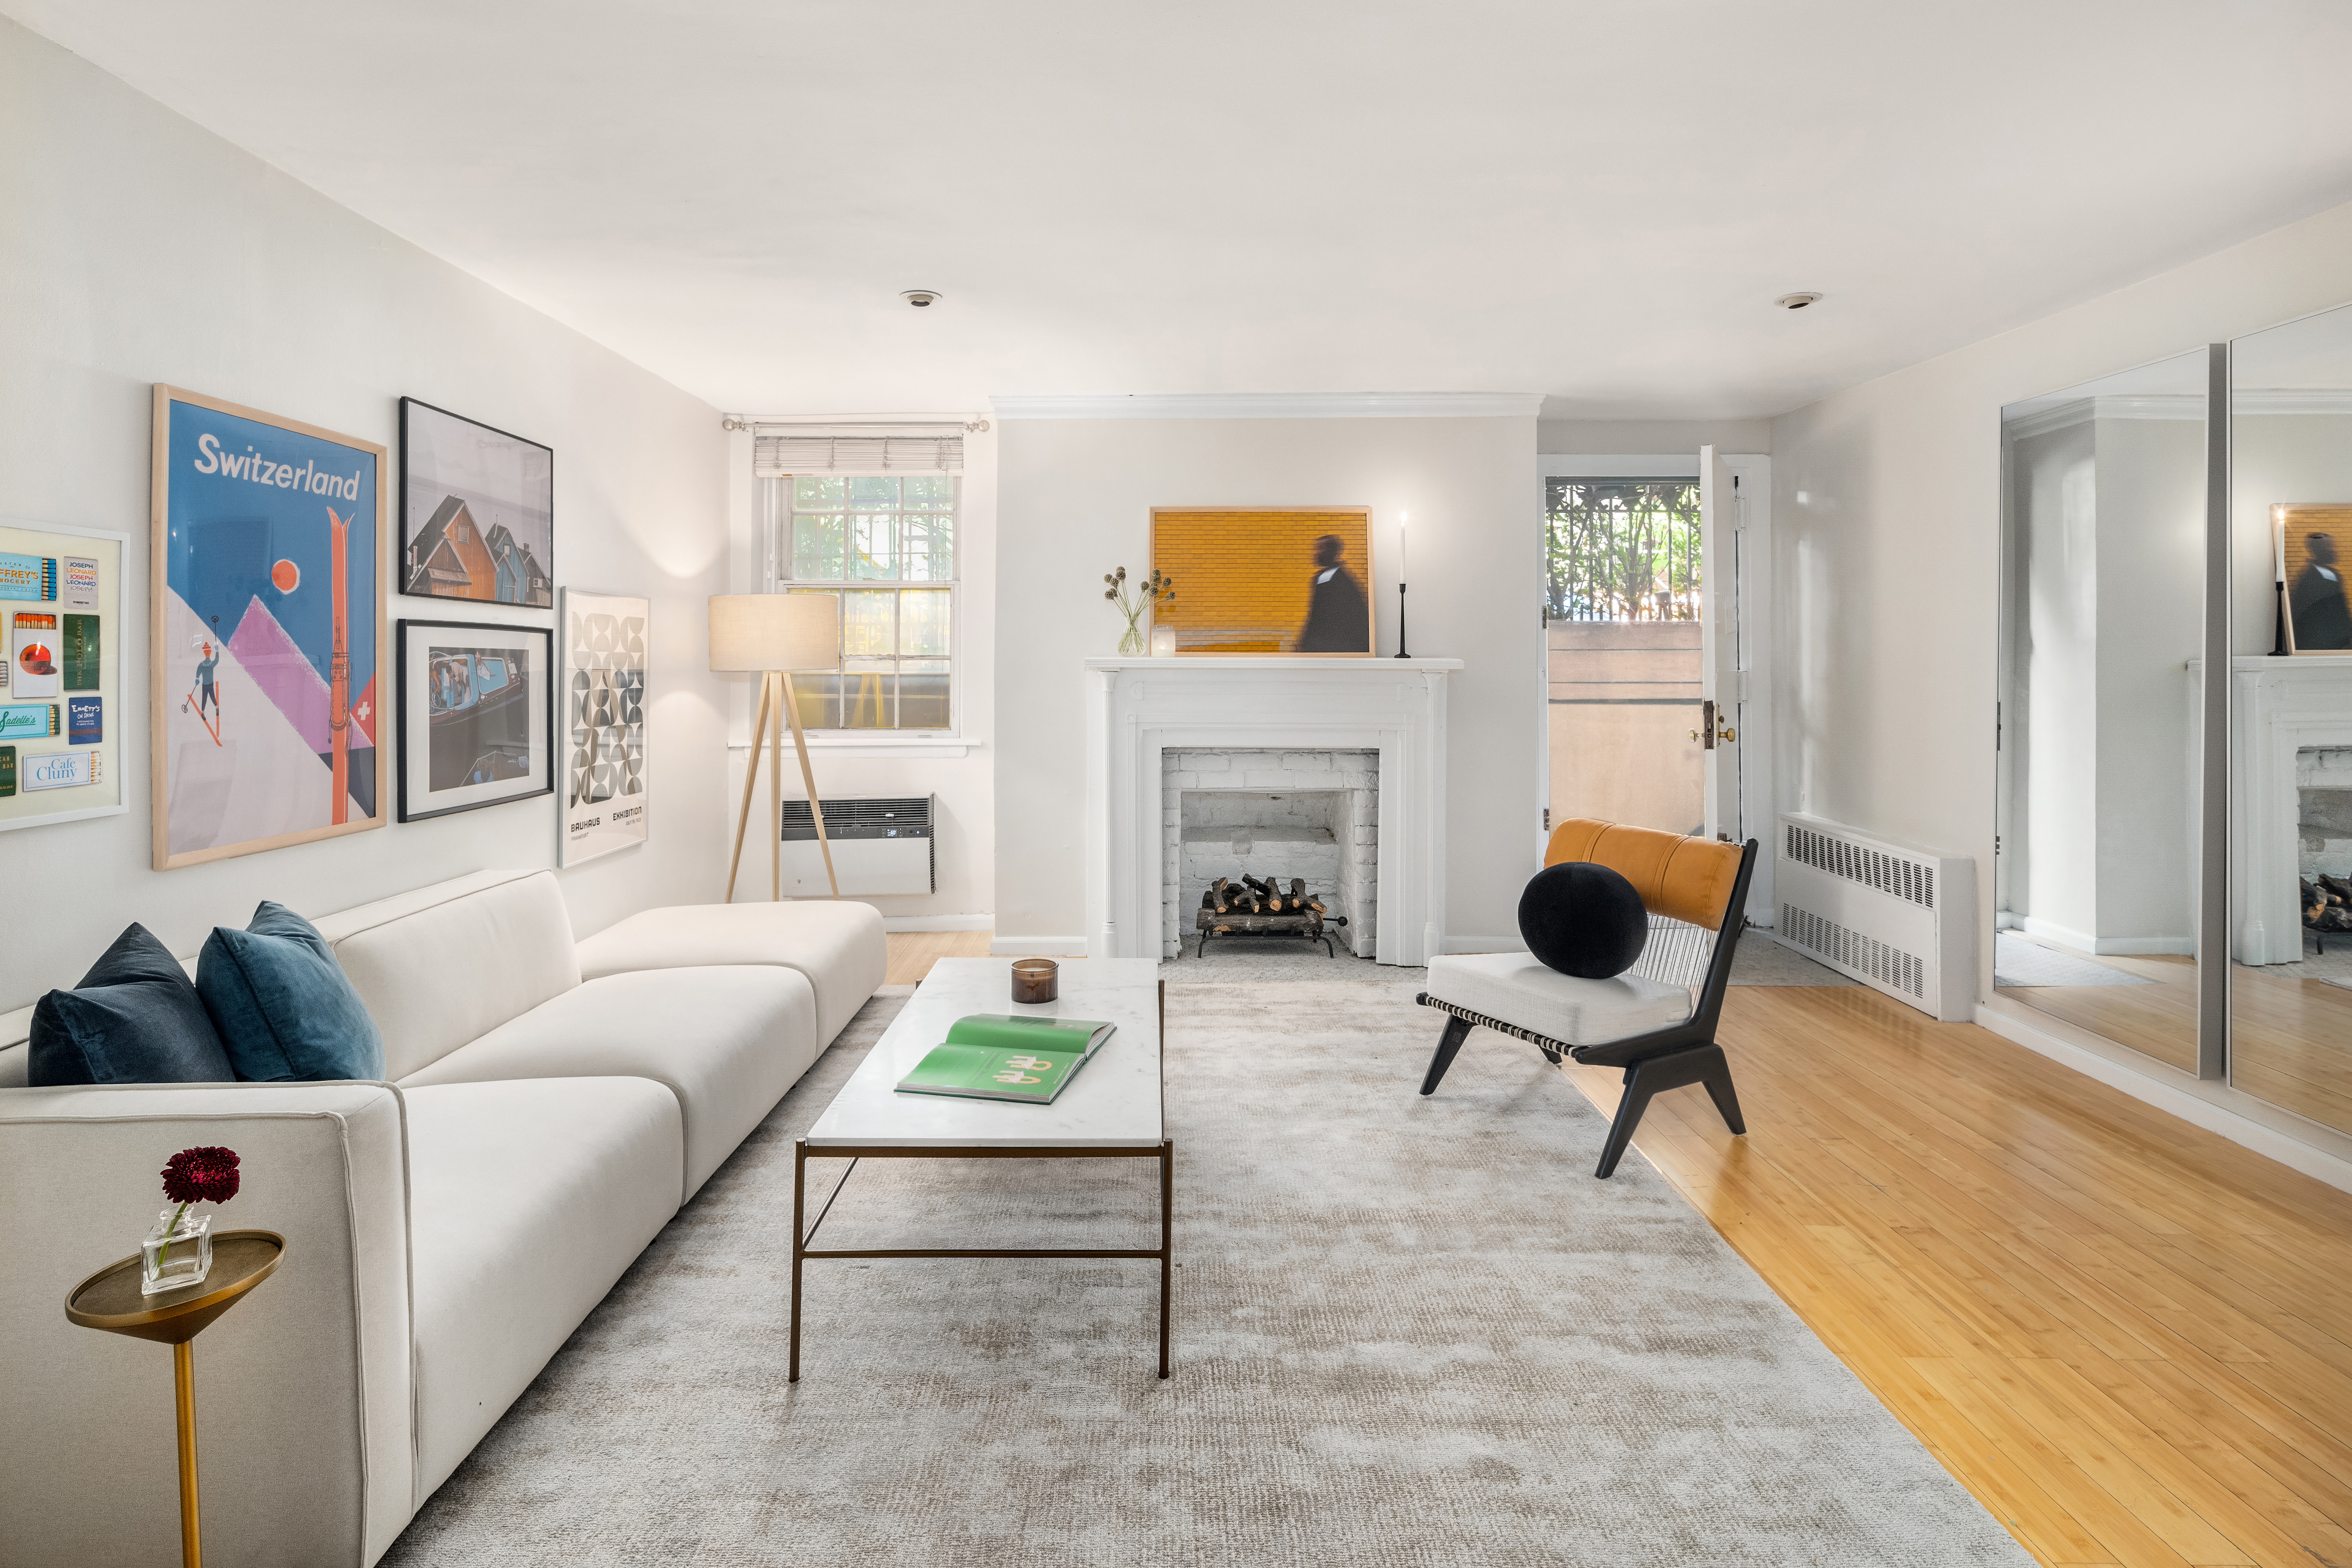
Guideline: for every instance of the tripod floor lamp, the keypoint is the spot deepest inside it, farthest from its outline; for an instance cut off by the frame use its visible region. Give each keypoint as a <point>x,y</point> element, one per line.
<point>770,635</point>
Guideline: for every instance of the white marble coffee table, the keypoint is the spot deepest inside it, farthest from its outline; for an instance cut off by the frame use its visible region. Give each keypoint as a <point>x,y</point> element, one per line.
<point>1112,1110</point>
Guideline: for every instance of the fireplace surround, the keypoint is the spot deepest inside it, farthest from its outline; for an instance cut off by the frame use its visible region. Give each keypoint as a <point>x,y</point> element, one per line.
<point>1388,712</point>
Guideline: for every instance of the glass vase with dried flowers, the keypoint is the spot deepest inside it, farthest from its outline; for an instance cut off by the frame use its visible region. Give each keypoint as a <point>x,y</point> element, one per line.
<point>1154,590</point>
<point>178,1252</point>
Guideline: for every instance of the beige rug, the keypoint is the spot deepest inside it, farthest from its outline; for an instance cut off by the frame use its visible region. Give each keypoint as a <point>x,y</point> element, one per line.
<point>1408,1331</point>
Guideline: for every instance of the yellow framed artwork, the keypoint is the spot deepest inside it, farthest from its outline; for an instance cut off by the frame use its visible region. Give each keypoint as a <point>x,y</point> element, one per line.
<point>1261,581</point>
<point>2315,551</point>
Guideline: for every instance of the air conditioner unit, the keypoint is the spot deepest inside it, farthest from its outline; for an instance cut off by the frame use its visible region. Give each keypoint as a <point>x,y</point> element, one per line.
<point>880,845</point>
<point>1895,918</point>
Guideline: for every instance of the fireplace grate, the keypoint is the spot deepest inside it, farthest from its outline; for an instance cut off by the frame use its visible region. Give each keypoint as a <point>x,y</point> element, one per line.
<point>1249,908</point>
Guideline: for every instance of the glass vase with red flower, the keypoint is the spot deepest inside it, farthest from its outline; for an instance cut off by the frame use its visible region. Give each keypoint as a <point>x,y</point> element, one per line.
<point>178,1251</point>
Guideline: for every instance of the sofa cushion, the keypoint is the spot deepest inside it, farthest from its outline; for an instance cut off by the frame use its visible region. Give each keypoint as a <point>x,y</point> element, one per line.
<point>1519,989</point>
<point>283,1008</point>
<point>448,963</point>
<point>840,946</point>
<point>727,1042</point>
<point>134,1018</point>
<point>527,1203</point>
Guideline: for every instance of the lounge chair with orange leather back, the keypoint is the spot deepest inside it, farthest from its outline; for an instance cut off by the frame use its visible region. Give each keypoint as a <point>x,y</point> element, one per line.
<point>1657,1020</point>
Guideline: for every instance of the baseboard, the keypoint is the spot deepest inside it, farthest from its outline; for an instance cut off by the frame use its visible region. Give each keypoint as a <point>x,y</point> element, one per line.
<point>2146,946</point>
<point>2318,1151</point>
<point>2084,941</point>
<point>1048,946</point>
<point>938,923</point>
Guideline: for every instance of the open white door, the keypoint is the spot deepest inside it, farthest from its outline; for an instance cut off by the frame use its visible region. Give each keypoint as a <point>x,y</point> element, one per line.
<point>1719,544</point>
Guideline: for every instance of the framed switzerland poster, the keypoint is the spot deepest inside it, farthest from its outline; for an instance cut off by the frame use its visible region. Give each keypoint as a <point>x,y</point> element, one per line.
<point>265,631</point>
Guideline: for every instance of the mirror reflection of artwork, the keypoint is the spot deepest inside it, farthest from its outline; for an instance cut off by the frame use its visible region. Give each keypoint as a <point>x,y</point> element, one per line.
<point>1267,580</point>
<point>2314,545</point>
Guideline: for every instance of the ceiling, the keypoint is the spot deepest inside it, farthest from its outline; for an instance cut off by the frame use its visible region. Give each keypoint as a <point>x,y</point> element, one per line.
<point>1597,200</point>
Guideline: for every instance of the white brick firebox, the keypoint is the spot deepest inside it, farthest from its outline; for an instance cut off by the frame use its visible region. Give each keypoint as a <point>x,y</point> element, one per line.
<point>1389,712</point>
<point>1312,817</point>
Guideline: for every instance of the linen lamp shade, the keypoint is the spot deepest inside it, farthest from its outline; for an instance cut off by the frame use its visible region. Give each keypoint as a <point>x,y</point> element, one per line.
<point>758,632</point>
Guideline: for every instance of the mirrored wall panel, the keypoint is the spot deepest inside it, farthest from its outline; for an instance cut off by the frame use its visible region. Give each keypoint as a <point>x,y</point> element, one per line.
<point>2102,609</point>
<point>2290,717</point>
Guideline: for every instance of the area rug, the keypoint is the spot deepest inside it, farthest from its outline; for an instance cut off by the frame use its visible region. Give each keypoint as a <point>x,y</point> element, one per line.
<point>1408,1331</point>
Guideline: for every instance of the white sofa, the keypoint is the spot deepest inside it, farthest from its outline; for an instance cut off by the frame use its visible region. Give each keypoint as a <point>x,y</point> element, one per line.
<point>549,1106</point>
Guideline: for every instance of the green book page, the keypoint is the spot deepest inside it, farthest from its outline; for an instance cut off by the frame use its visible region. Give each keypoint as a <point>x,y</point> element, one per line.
<point>1009,1032</point>
<point>983,1073</point>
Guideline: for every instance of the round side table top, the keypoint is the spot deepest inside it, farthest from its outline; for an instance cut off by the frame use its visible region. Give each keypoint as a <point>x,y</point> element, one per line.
<point>110,1299</point>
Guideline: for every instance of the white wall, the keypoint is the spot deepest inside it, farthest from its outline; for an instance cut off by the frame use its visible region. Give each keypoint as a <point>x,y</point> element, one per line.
<point>1075,499</point>
<point>138,248</point>
<point>962,776</point>
<point>1568,437</point>
<point>1888,512</point>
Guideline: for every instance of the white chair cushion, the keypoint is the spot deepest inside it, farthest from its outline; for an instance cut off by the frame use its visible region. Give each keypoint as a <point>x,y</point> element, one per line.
<point>840,946</point>
<point>1517,989</point>
<point>526,1201</point>
<point>448,963</point>
<point>725,1041</point>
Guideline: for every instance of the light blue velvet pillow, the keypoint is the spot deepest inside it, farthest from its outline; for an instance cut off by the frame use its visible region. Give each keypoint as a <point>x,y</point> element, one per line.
<point>284,1009</point>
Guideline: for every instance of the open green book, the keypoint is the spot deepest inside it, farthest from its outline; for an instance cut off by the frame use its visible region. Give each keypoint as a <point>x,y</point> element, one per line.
<point>993,1056</point>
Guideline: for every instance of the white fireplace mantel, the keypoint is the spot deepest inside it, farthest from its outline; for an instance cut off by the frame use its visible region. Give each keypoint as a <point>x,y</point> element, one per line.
<point>2280,706</point>
<point>1138,707</point>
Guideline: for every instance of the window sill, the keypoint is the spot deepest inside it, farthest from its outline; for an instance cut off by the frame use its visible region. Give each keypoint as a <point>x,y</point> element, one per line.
<point>878,746</point>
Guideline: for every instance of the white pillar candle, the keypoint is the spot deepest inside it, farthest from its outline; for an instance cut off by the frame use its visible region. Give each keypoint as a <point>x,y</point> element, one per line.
<point>1401,555</point>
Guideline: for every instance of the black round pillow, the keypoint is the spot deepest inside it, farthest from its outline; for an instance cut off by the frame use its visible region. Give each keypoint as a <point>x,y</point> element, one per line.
<point>1584,920</point>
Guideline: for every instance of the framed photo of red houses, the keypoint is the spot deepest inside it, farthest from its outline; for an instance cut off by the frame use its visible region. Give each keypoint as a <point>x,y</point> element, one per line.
<point>477,510</point>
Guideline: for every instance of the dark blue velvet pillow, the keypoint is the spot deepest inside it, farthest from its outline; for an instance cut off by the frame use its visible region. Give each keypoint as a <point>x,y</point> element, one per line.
<point>1583,918</point>
<point>283,1006</point>
<point>134,1018</point>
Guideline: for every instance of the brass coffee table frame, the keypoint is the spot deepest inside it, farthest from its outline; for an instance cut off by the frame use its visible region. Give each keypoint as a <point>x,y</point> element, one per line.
<point>1164,1152</point>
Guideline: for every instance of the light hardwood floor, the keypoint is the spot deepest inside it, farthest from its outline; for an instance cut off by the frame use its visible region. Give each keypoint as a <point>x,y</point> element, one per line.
<point>2290,1037</point>
<point>2130,1338</point>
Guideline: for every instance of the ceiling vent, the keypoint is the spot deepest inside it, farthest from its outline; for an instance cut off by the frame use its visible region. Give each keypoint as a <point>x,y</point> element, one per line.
<point>1796,301</point>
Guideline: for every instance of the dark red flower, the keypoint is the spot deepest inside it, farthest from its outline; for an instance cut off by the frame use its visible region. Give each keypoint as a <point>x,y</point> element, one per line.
<point>201,1175</point>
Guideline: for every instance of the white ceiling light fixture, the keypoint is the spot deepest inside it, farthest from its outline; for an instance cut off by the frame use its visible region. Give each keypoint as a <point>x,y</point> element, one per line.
<point>1796,301</point>
<point>921,299</point>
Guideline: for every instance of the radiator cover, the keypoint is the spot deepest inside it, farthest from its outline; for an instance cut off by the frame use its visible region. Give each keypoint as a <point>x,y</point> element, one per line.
<point>1899,919</point>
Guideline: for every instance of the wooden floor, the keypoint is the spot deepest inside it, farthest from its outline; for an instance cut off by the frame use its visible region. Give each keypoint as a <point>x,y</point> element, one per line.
<point>912,952</point>
<point>2132,1340</point>
<point>2290,1037</point>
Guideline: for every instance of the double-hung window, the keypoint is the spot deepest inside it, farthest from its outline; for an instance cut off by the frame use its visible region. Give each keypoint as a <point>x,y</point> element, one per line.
<point>885,544</point>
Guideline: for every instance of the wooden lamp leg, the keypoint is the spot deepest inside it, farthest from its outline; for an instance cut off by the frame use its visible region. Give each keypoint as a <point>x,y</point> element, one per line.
<point>751,777</point>
<point>808,778</point>
<point>184,1388</point>
<point>775,789</point>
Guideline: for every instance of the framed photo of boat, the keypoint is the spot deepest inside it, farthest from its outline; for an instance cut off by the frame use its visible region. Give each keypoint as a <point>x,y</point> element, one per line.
<point>477,716</point>
<point>477,510</point>
<point>605,641</point>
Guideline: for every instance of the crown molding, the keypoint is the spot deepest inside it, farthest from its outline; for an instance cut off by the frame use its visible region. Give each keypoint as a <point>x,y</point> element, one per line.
<point>2291,399</point>
<point>2187,406</point>
<point>1268,405</point>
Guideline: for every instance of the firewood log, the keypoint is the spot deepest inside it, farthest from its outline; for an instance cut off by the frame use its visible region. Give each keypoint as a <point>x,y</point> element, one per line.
<point>2338,890</point>
<point>1222,892</point>
<point>2315,901</point>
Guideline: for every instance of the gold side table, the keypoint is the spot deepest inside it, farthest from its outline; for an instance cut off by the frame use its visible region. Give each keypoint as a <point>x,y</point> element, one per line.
<point>110,1299</point>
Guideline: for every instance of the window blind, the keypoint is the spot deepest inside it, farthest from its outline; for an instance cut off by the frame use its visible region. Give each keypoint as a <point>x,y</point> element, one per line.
<point>778,450</point>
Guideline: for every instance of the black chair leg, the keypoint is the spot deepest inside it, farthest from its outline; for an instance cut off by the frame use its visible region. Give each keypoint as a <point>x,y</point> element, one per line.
<point>1653,1075</point>
<point>1449,1046</point>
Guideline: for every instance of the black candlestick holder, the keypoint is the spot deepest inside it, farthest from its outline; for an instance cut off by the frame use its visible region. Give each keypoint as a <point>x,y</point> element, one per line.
<point>1399,652</point>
